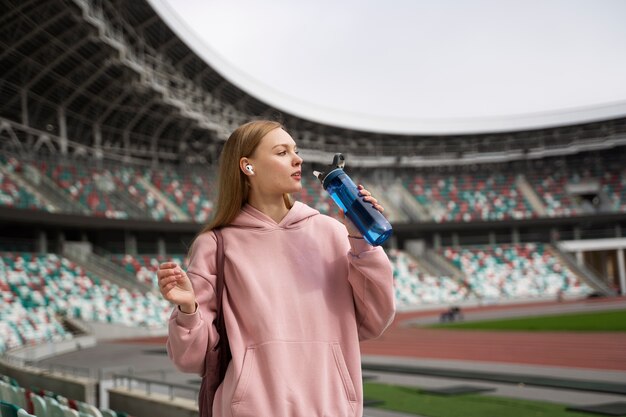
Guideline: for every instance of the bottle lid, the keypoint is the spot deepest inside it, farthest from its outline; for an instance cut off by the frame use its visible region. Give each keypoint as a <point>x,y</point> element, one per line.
<point>339,161</point>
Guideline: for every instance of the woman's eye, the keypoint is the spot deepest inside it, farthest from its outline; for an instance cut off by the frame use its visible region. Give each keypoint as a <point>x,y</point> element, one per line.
<point>282,153</point>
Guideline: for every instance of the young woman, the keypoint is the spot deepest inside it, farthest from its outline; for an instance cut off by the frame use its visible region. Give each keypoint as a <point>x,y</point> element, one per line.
<point>301,289</point>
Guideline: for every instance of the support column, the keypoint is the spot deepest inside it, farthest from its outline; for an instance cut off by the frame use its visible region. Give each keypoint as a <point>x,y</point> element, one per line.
<point>515,237</point>
<point>24,102</point>
<point>161,249</point>
<point>621,267</point>
<point>60,242</point>
<point>42,243</point>
<point>492,238</point>
<point>579,258</point>
<point>437,241</point>
<point>126,137</point>
<point>455,240</point>
<point>97,142</point>
<point>130,244</point>
<point>63,131</point>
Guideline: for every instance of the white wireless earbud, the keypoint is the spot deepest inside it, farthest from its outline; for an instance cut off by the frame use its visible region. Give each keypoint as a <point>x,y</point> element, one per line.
<point>249,169</point>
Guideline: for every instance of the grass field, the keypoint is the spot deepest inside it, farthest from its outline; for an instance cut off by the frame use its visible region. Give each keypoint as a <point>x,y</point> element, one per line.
<point>604,321</point>
<point>412,401</point>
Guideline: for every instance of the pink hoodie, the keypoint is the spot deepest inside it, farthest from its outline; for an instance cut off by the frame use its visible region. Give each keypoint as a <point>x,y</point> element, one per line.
<point>299,296</point>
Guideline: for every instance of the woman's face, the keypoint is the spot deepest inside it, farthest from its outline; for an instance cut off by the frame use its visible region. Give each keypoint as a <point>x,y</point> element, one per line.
<point>277,166</point>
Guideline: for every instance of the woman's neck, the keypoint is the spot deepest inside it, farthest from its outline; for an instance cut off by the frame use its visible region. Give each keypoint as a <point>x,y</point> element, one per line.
<point>274,208</point>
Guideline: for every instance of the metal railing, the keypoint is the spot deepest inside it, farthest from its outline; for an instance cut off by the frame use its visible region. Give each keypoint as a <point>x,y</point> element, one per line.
<point>149,385</point>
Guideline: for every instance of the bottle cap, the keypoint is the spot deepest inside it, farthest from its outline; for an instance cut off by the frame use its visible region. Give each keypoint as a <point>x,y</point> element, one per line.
<point>339,161</point>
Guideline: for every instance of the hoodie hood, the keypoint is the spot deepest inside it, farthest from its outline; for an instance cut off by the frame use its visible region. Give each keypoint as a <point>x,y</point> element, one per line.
<point>251,218</point>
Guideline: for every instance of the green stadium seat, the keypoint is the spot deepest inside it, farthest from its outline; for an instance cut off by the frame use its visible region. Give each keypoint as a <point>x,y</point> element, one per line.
<point>8,410</point>
<point>23,413</point>
<point>39,405</point>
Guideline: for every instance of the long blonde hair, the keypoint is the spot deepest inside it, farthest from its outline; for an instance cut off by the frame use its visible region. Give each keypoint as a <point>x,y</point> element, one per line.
<point>233,184</point>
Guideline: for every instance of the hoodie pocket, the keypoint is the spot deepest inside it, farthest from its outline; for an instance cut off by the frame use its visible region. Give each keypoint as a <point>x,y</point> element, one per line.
<point>294,379</point>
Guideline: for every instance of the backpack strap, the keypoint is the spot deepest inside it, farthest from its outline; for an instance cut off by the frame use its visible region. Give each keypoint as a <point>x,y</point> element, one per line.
<point>223,345</point>
<point>219,286</point>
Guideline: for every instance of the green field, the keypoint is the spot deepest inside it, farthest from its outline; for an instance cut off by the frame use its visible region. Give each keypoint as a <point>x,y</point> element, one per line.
<point>412,401</point>
<point>604,321</point>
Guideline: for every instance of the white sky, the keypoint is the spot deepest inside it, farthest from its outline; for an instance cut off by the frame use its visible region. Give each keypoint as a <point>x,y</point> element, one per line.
<point>417,66</point>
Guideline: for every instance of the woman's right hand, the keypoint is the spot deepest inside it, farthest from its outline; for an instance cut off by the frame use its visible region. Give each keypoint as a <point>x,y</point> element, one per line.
<point>175,286</point>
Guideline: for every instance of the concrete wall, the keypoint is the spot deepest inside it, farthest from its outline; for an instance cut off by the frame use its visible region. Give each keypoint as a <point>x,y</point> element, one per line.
<point>77,388</point>
<point>138,403</point>
<point>46,350</point>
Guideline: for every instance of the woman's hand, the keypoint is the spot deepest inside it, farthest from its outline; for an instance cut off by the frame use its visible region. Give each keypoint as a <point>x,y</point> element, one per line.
<point>175,287</point>
<point>352,230</point>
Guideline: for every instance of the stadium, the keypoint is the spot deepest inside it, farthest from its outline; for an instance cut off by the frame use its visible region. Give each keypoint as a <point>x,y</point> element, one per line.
<point>507,250</point>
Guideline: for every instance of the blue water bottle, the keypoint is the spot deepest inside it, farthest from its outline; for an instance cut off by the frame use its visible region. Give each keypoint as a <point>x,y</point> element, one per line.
<point>371,223</point>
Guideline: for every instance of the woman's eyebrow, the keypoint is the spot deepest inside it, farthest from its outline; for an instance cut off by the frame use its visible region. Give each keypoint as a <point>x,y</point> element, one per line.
<point>286,145</point>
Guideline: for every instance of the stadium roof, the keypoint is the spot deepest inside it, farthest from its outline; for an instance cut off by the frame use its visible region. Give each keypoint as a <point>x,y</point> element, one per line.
<point>417,67</point>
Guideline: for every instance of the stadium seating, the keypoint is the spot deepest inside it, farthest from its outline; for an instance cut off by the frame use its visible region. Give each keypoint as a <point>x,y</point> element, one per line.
<point>550,186</point>
<point>315,196</point>
<point>192,191</point>
<point>125,191</point>
<point>11,194</point>
<point>469,197</point>
<point>90,187</point>
<point>22,402</point>
<point>36,289</point>
<point>131,178</point>
<point>413,287</point>
<point>145,266</point>
<point>515,271</point>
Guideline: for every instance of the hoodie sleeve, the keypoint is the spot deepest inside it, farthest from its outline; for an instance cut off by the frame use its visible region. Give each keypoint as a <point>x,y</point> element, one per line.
<point>190,334</point>
<point>371,277</point>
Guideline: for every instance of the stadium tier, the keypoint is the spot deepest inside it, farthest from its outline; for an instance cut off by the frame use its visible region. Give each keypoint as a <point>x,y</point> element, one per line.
<point>144,267</point>
<point>13,194</point>
<point>614,184</point>
<point>470,197</point>
<point>19,401</point>
<point>192,192</point>
<point>172,194</point>
<point>39,290</point>
<point>515,271</point>
<point>415,287</point>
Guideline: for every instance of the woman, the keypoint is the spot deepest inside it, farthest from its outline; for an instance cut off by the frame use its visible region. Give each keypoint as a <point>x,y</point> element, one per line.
<point>301,289</point>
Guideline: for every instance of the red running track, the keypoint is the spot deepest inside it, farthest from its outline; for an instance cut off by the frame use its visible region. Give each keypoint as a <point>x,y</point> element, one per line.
<point>566,349</point>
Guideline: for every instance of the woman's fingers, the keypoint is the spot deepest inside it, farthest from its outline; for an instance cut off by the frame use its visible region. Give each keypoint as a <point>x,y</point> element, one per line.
<point>168,280</point>
<point>368,197</point>
<point>166,269</point>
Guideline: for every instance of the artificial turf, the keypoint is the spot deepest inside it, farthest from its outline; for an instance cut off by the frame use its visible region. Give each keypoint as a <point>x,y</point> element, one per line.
<point>603,321</point>
<point>413,401</point>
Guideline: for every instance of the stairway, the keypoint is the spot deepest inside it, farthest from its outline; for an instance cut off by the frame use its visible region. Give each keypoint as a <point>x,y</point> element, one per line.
<point>409,205</point>
<point>179,215</point>
<point>584,273</point>
<point>106,269</point>
<point>392,213</point>
<point>530,196</point>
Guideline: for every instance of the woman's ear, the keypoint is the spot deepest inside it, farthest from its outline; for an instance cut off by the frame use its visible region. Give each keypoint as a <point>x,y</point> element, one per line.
<point>246,167</point>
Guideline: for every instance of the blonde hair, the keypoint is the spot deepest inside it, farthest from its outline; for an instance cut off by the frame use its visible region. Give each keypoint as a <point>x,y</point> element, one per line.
<point>233,187</point>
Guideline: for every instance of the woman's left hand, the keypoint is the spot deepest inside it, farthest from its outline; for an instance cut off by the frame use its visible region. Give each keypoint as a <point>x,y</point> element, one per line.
<point>352,230</point>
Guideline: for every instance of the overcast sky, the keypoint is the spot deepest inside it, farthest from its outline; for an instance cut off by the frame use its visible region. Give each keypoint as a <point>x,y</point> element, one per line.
<point>416,66</point>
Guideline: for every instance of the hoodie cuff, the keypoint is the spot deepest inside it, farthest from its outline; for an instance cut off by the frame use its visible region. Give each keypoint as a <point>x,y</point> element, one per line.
<point>188,321</point>
<point>359,245</point>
